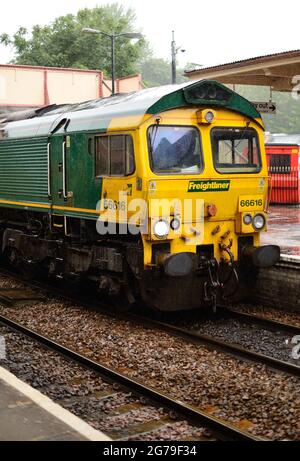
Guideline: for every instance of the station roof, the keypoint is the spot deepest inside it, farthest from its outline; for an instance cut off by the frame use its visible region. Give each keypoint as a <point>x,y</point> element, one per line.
<point>274,70</point>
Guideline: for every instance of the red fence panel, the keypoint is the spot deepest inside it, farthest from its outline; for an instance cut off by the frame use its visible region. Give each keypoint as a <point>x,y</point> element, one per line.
<point>284,169</point>
<point>285,184</point>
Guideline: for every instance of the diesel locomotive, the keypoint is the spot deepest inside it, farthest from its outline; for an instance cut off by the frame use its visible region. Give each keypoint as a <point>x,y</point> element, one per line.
<point>159,195</point>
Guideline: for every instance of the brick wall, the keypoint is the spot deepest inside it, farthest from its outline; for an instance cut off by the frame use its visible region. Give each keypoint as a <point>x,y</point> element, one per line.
<point>279,286</point>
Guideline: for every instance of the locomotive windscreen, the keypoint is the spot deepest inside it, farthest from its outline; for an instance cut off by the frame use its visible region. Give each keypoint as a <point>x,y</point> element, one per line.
<point>236,150</point>
<point>175,150</point>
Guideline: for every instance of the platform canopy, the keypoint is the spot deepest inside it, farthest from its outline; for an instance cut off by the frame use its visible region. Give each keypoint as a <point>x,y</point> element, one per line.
<point>278,71</point>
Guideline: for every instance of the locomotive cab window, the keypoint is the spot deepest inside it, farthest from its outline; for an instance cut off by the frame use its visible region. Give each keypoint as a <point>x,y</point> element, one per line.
<point>236,150</point>
<point>175,150</point>
<point>114,156</point>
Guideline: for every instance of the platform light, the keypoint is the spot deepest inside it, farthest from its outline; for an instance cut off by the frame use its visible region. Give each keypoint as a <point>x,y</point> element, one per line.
<point>161,229</point>
<point>259,222</point>
<point>113,37</point>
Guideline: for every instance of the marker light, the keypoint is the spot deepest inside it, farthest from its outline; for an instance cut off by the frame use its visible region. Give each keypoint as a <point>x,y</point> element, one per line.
<point>206,116</point>
<point>247,219</point>
<point>175,224</point>
<point>209,116</point>
<point>259,222</point>
<point>161,229</point>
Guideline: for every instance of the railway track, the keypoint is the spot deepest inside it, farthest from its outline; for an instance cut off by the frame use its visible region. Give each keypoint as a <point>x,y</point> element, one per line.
<point>228,347</point>
<point>186,333</point>
<point>263,321</point>
<point>221,429</point>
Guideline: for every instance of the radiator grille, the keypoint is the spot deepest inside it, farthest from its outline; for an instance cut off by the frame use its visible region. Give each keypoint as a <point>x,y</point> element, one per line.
<point>23,169</point>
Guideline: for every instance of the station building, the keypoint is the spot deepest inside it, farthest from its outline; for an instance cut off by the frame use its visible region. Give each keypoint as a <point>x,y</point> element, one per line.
<point>279,71</point>
<point>26,87</point>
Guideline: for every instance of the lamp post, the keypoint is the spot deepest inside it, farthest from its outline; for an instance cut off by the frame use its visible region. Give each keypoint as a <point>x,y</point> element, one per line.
<point>174,52</point>
<point>112,37</point>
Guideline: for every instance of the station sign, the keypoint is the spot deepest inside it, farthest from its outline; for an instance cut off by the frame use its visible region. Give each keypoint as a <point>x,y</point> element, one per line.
<point>265,107</point>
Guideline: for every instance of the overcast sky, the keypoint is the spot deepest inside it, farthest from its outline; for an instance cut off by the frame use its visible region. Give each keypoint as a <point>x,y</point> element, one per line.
<point>212,31</point>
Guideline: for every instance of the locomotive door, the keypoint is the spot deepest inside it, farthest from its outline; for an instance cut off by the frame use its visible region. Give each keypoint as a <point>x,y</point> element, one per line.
<point>58,163</point>
<point>116,162</point>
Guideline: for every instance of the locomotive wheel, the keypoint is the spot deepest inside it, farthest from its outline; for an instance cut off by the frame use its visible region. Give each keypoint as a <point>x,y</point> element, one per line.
<point>12,258</point>
<point>125,302</point>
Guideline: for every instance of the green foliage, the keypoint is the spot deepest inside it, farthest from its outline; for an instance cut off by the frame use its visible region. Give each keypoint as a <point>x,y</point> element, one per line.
<point>156,72</point>
<point>62,43</point>
<point>287,117</point>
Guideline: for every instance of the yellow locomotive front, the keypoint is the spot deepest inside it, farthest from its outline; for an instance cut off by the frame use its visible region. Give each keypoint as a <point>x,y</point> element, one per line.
<point>201,174</point>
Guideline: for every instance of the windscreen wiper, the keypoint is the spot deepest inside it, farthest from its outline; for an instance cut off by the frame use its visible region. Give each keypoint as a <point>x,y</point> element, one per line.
<point>152,137</point>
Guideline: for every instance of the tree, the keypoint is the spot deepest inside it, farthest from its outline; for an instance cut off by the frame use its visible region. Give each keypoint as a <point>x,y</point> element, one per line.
<point>156,72</point>
<point>62,43</point>
<point>287,117</point>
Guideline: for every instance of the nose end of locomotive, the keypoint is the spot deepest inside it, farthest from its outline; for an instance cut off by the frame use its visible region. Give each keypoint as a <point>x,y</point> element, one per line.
<point>264,256</point>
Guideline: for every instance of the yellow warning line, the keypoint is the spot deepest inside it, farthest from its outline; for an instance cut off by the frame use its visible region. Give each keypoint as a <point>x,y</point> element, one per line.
<point>85,210</point>
<point>34,205</point>
<point>48,206</point>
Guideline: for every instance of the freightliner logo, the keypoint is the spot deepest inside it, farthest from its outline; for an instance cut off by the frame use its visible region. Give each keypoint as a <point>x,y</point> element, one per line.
<point>209,186</point>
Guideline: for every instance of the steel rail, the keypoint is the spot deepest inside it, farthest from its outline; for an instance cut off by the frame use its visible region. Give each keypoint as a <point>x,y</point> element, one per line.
<point>263,321</point>
<point>222,429</point>
<point>233,349</point>
<point>225,346</point>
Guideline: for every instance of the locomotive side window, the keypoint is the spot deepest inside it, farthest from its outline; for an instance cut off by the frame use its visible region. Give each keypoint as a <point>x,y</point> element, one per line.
<point>114,156</point>
<point>102,156</point>
<point>235,150</point>
<point>117,155</point>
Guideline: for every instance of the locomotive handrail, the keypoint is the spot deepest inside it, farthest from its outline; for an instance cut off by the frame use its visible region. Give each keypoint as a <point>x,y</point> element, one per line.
<point>49,168</point>
<point>64,170</point>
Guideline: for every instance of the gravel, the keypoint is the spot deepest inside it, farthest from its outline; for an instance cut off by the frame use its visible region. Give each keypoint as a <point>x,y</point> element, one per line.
<point>284,316</point>
<point>180,431</point>
<point>251,336</point>
<point>84,393</point>
<point>8,282</point>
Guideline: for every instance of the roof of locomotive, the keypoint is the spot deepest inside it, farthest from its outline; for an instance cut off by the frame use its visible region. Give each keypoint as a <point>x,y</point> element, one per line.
<point>97,114</point>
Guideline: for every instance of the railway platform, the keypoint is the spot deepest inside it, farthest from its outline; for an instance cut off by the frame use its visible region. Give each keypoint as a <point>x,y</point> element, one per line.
<point>284,229</point>
<point>28,415</point>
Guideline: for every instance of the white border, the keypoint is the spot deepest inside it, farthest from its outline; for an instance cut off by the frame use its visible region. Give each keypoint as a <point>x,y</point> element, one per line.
<point>52,408</point>
<point>290,258</point>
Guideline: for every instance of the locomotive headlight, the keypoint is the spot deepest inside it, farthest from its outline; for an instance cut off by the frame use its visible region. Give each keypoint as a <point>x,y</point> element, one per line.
<point>247,219</point>
<point>161,229</point>
<point>259,222</point>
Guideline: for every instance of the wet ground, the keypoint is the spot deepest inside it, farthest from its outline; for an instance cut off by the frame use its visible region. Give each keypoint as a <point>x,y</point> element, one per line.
<point>284,229</point>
